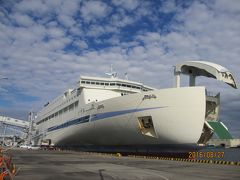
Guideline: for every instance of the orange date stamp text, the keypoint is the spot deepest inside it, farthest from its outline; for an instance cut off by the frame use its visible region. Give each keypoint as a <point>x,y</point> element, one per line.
<point>208,154</point>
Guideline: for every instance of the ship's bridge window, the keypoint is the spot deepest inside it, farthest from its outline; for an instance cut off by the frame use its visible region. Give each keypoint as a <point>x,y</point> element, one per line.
<point>112,84</point>
<point>83,82</point>
<point>138,87</point>
<point>88,82</point>
<point>118,84</point>
<point>93,83</point>
<point>128,86</point>
<point>97,83</point>
<point>106,84</point>
<point>124,85</point>
<point>56,114</point>
<point>102,83</point>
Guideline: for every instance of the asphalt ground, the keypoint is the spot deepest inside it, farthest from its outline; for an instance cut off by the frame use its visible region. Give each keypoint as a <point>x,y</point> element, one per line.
<point>51,165</point>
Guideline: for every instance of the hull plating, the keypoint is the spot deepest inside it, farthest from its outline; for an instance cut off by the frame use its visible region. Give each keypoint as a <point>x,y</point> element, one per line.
<point>178,116</point>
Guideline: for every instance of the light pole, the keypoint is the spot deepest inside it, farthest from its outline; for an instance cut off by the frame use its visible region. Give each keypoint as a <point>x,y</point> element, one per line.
<point>4,131</point>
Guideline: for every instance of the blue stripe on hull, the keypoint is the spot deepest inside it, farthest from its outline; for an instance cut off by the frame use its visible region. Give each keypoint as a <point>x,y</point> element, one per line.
<point>96,117</point>
<point>105,115</point>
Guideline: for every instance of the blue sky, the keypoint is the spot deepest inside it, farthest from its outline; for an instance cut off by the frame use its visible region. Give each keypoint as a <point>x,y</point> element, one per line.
<point>45,45</point>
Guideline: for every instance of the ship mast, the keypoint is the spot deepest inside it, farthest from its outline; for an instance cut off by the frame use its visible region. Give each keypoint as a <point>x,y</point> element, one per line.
<point>112,73</point>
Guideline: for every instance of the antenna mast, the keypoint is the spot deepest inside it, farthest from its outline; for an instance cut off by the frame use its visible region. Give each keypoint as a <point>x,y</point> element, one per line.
<point>111,73</point>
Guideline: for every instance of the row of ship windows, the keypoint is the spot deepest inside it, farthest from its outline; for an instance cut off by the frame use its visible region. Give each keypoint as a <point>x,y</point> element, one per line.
<point>65,95</point>
<point>60,112</point>
<point>70,99</point>
<point>112,84</point>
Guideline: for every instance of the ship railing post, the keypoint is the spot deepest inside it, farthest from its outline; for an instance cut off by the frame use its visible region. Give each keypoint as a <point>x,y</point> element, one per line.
<point>192,80</point>
<point>177,78</point>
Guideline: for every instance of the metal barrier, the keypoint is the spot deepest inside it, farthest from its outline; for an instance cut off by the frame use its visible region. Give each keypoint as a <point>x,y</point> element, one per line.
<point>7,168</point>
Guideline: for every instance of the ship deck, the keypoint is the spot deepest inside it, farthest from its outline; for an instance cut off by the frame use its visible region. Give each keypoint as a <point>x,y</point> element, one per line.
<point>39,164</point>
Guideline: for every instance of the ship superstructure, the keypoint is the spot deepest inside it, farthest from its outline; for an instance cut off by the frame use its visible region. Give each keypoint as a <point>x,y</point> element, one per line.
<point>113,111</point>
<point>90,90</point>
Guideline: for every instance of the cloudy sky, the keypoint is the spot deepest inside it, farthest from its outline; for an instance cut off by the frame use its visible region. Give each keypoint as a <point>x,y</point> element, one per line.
<point>45,45</point>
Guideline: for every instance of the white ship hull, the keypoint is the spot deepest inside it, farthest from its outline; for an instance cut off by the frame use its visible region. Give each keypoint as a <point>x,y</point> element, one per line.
<point>113,112</point>
<point>178,116</point>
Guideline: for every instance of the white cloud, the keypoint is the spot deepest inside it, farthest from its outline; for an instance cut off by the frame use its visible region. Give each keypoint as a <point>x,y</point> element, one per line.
<point>181,44</point>
<point>149,37</point>
<point>121,20</point>
<point>228,6</point>
<point>95,31</point>
<point>55,32</point>
<point>68,8</point>
<point>33,59</point>
<point>214,34</point>
<point>128,5</point>
<point>38,8</point>
<point>67,21</point>
<point>114,40</point>
<point>81,44</point>
<point>53,3</point>
<point>168,6</point>
<point>22,19</point>
<point>92,10</point>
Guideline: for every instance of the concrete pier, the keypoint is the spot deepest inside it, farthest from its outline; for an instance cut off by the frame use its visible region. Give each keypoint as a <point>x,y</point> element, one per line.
<point>38,164</point>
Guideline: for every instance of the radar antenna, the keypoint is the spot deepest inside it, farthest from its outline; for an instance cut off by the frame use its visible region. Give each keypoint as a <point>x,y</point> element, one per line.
<point>111,73</point>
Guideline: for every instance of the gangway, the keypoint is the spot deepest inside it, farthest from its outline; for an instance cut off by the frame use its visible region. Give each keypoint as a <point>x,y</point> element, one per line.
<point>14,122</point>
<point>12,129</point>
<point>220,129</point>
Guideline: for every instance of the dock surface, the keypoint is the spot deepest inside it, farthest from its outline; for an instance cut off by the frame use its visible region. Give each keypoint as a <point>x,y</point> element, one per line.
<point>48,165</point>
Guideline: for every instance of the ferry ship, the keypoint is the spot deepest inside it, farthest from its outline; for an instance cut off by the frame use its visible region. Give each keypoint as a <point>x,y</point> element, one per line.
<point>119,112</point>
